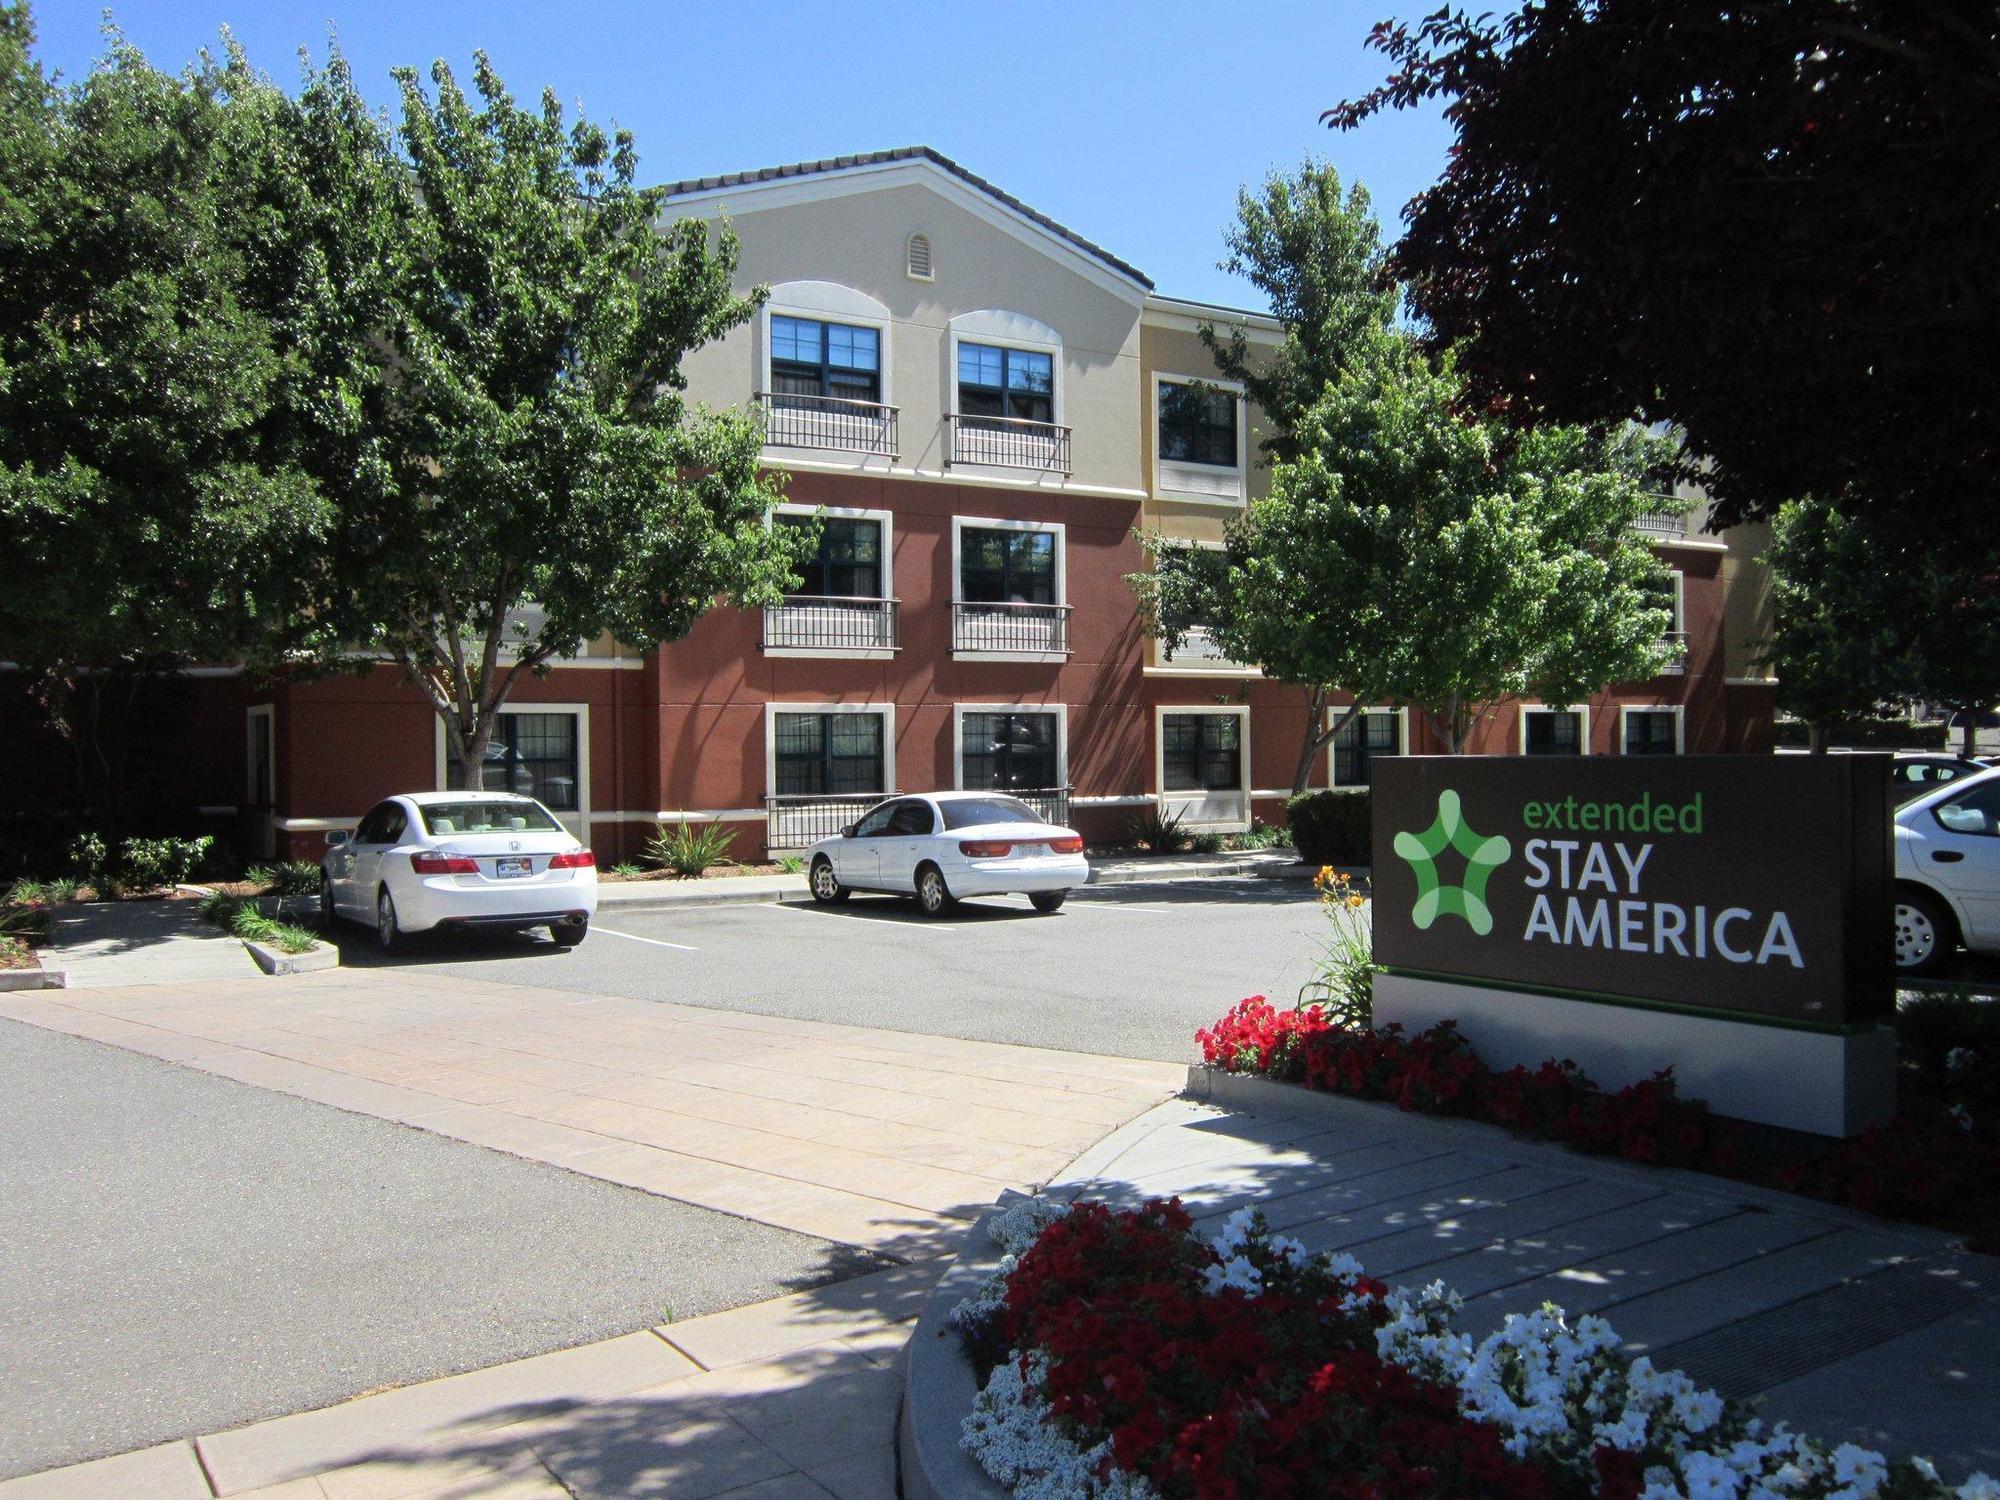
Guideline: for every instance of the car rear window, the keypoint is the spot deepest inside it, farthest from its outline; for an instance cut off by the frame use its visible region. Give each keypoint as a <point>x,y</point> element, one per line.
<point>488,815</point>
<point>970,812</point>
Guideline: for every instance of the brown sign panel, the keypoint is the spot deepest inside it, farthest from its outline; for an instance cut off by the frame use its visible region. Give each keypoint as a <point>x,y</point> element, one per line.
<point>1758,884</point>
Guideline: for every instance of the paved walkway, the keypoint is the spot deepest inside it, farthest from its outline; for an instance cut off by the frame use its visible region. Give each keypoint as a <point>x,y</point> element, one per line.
<point>105,944</point>
<point>1849,1327</point>
<point>883,1139</point>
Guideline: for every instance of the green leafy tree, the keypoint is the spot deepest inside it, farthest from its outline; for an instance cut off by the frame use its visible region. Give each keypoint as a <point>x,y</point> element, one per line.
<point>546,483</point>
<point>1413,555</point>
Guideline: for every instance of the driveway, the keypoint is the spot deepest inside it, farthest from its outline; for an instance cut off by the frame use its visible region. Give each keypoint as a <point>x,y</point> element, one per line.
<point>1127,971</point>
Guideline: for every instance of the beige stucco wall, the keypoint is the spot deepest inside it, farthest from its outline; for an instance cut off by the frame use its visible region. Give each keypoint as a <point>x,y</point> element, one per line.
<point>1746,600</point>
<point>1168,347</point>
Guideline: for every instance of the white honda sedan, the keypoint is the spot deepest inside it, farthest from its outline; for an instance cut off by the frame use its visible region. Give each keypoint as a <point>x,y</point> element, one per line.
<point>1948,873</point>
<point>945,845</point>
<point>427,860</point>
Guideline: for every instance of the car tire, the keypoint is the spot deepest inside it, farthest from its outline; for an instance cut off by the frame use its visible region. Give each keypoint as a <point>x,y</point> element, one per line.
<point>328,913</point>
<point>569,934</point>
<point>1047,901</point>
<point>389,934</point>
<point>825,885</point>
<point>934,897</point>
<point>1926,935</point>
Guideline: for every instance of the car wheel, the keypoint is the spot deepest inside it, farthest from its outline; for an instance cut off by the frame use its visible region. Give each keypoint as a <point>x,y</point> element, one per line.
<point>569,934</point>
<point>328,915</point>
<point>389,935</point>
<point>933,895</point>
<point>1047,901</point>
<point>1925,932</point>
<point>826,886</point>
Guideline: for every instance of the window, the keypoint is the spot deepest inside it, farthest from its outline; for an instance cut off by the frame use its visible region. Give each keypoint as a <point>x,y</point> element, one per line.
<point>1202,752</point>
<point>967,812</point>
<point>812,358</point>
<point>1665,592</point>
<point>1197,425</point>
<point>1975,810</point>
<point>486,817</point>
<point>1000,382</point>
<point>533,754</point>
<point>1006,567</point>
<point>1652,731</point>
<point>383,825</point>
<point>828,755</point>
<point>1001,752</point>
<point>1368,734</point>
<point>1550,731</point>
<point>848,564</point>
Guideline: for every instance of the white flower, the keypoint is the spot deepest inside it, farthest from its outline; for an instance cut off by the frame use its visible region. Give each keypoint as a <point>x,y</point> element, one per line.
<point>1961,1059</point>
<point>1234,1272</point>
<point>1963,1116</point>
<point>1979,1487</point>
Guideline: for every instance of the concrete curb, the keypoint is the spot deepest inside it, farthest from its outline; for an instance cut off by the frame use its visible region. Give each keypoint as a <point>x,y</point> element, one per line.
<point>676,899</point>
<point>939,1383</point>
<point>276,961</point>
<point>32,979</point>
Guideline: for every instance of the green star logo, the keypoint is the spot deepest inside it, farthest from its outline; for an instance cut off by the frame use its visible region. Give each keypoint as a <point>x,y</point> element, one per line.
<point>1482,857</point>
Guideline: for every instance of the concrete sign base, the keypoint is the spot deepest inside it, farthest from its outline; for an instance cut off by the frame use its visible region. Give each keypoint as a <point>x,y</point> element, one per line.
<point>1823,1082</point>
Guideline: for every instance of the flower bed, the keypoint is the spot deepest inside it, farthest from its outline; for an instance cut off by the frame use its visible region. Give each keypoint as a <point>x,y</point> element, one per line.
<point>1131,1358</point>
<point>1930,1168</point>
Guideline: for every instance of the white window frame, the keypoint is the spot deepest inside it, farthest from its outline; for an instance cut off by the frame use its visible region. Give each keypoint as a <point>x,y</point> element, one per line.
<point>960,710</point>
<point>269,713</point>
<point>1183,481</point>
<point>887,711</point>
<point>985,523</point>
<point>826,302</point>
<point>1679,711</point>
<point>1582,710</point>
<point>577,821</point>
<point>1166,799</point>
<point>887,521</point>
<point>1678,626</point>
<point>1402,733</point>
<point>1159,666</point>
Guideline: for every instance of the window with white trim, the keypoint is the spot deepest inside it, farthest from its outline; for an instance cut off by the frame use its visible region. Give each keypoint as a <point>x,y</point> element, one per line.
<point>1652,731</point>
<point>1370,733</point>
<point>1552,731</point>
<point>1201,752</point>
<point>1011,750</point>
<point>827,754</point>
<point>1198,424</point>
<point>1006,565</point>
<point>812,357</point>
<point>848,561</point>
<point>531,753</point>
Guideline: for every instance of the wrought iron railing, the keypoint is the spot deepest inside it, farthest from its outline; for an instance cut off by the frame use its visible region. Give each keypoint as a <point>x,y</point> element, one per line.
<point>1197,647</point>
<point>1675,641</point>
<point>1010,442</point>
<point>1041,628</point>
<point>1052,802</point>
<point>831,422</point>
<point>827,622</point>
<point>796,821</point>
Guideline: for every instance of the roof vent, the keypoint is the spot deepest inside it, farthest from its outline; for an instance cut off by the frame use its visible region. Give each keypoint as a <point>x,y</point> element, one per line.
<point>918,263</point>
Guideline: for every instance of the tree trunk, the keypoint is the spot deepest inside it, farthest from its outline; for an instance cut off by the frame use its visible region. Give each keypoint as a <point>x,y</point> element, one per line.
<point>1968,732</point>
<point>1816,738</point>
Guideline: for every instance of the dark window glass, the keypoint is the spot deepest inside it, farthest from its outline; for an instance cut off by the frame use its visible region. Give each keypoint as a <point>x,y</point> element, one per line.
<point>1006,567</point>
<point>1197,426</point>
<point>1649,732</point>
<point>375,827</point>
<point>1555,733</point>
<point>486,817</point>
<point>829,755</point>
<point>912,819</point>
<point>970,812</point>
<point>1203,752</point>
<point>532,754</point>
<point>1360,740</point>
<point>848,564</point>
<point>1008,752</point>
<point>811,358</point>
<point>876,823</point>
<point>997,382</point>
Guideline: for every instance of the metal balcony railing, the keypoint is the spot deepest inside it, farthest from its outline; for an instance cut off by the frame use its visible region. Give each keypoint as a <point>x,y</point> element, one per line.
<point>1052,802</point>
<point>793,822</point>
<point>1039,628</point>
<point>1675,639</point>
<point>1197,648</point>
<point>827,622</point>
<point>828,422</point>
<point>1667,524</point>
<point>1010,442</point>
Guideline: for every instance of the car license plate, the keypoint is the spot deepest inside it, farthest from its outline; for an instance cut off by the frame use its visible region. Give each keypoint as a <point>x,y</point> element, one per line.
<point>1030,850</point>
<point>520,866</point>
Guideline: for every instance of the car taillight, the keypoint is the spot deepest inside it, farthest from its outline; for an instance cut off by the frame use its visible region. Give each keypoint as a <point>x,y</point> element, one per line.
<point>443,864</point>
<point>986,848</point>
<point>576,859</point>
<point>1070,845</point>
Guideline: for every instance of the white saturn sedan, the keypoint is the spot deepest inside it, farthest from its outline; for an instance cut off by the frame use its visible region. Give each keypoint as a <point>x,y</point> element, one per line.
<point>945,845</point>
<point>1948,872</point>
<point>433,860</point>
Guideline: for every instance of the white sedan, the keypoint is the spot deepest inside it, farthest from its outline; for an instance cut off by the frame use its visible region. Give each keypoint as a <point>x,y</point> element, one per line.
<point>428,860</point>
<point>1948,873</point>
<point>945,845</point>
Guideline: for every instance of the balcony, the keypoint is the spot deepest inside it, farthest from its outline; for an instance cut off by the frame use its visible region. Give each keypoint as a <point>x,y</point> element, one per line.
<point>793,822</point>
<point>832,623</point>
<point>1199,649</point>
<point>1009,443</point>
<point>1662,525</point>
<point>828,423</point>
<point>1675,640</point>
<point>1023,629</point>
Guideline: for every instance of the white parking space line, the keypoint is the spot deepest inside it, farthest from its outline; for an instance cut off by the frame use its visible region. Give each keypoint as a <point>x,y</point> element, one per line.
<point>1094,905</point>
<point>858,917</point>
<point>633,937</point>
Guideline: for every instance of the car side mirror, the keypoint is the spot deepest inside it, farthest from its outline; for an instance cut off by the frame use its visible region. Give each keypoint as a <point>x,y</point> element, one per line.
<point>848,831</point>
<point>336,837</point>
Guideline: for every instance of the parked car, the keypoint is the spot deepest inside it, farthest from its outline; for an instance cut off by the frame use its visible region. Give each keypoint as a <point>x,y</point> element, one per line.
<point>1918,771</point>
<point>426,860</point>
<point>947,845</point>
<point>1948,873</point>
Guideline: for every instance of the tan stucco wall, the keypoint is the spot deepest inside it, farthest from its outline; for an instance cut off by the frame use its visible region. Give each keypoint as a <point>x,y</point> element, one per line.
<point>1746,585</point>
<point>1177,350</point>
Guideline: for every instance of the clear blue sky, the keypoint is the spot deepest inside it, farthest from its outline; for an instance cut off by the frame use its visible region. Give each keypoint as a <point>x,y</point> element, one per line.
<point>1132,123</point>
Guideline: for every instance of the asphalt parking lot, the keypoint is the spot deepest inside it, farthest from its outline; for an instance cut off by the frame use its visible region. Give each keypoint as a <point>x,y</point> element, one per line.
<point>1126,970</point>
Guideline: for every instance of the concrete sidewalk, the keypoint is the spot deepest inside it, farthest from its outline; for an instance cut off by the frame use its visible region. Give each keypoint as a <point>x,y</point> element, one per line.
<point>106,944</point>
<point>790,1398</point>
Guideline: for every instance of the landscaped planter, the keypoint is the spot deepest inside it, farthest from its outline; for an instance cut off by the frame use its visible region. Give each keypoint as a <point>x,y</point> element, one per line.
<point>36,978</point>
<point>277,961</point>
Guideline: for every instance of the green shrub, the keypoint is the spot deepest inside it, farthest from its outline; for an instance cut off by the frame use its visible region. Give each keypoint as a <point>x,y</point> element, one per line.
<point>1865,734</point>
<point>295,877</point>
<point>27,924</point>
<point>1331,827</point>
<point>254,926</point>
<point>1205,841</point>
<point>1262,836</point>
<point>792,864</point>
<point>1157,830</point>
<point>220,909</point>
<point>89,860</point>
<point>690,848</point>
<point>627,869</point>
<point>148,863</point>
<point>1344,977</point>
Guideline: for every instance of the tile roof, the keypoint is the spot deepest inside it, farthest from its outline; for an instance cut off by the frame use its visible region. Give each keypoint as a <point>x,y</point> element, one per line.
<point>912,153</point>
